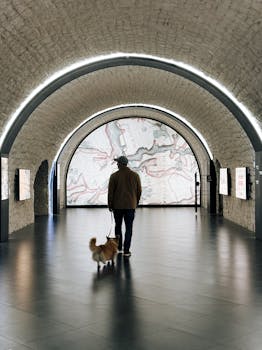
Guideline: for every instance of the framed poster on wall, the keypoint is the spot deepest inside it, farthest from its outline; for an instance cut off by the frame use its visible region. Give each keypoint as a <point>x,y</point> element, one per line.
<point>23,184</point>
<point>58,176</point>
<point>223,181</point>
<point>4,178</point>
<point>241,183</point>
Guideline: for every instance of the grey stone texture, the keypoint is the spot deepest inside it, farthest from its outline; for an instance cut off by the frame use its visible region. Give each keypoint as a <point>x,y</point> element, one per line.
<point>38,38</point>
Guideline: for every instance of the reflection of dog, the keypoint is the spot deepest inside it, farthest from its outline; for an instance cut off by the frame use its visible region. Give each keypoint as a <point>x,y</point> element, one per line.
<point>104,252</point>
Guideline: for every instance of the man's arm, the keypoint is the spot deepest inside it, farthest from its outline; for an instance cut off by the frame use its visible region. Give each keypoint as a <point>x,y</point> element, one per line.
<point>110,195</point>
<point>139,188</point>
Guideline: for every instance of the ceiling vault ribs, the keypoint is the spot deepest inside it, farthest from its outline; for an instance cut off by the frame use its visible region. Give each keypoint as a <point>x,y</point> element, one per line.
<point>128,60</point>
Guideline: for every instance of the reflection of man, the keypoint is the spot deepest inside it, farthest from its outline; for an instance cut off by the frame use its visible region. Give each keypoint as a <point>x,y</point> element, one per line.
<point>124,192</point>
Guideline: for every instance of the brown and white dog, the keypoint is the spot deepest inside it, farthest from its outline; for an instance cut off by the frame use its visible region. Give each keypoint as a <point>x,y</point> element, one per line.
<point>104,252</point>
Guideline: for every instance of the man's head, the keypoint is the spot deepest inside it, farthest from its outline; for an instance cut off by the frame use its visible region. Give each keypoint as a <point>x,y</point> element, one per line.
<point>121,161</point>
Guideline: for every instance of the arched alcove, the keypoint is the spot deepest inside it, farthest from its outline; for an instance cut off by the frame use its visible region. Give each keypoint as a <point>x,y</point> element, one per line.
<point>41,190</point>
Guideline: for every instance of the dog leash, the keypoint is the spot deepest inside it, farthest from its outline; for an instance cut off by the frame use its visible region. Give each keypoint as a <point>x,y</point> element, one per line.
<point>111,226</point>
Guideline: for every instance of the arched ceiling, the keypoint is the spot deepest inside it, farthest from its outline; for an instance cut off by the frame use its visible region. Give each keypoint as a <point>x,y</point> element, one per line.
<point>39,38</point>
<point>66,108</point>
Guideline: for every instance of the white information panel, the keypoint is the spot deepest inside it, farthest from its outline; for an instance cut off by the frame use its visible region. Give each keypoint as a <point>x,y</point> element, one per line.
<point>223,181</point>
<point>24,184</point>
<point>4,178</point>
<point>58,176</point>
<point>241,183</point>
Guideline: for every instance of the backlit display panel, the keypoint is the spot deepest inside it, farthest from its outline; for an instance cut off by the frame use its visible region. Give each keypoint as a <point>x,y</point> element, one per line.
<point>162,158</point>
<point>241,183</point>
<point>24,184</point>
<point>223,181</point>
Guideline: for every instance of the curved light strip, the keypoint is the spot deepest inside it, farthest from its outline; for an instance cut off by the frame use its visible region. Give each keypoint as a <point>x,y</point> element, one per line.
<point>97,59</point>
<point>157,108</point>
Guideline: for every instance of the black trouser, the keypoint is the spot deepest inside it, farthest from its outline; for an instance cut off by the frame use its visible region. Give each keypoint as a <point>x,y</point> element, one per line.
<point>128,215</point>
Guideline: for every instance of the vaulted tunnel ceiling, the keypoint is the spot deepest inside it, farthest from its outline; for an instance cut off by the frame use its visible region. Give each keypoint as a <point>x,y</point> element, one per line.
<point>40,38</point>
<point>65,109</point>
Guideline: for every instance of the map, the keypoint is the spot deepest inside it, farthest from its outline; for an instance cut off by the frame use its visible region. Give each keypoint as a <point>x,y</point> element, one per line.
<point>161,157</point>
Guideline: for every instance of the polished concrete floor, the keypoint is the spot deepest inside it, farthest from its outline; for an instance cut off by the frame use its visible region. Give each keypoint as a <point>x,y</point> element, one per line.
<point>192,282</point>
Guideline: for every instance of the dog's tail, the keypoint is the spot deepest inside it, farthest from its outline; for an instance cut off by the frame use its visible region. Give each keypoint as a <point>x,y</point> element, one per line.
<point>92,244</point>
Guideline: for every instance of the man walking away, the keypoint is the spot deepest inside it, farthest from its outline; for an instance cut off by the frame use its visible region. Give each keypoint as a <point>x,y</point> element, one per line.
<point>124,192</point>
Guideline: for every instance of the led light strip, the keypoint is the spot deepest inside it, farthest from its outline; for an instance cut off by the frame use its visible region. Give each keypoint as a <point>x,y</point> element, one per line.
<point>139,105</point>
<point>101,58</point>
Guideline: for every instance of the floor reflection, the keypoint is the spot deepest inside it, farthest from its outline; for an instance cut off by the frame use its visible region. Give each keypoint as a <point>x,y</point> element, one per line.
<point>124,325</point>
<point>190,284</point>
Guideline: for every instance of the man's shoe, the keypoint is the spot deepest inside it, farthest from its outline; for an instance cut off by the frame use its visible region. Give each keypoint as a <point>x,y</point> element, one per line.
<point>127,254</point>
<point>119,251</point>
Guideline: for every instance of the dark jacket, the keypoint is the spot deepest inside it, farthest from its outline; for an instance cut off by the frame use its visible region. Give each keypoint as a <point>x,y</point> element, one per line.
<point>124,190</point>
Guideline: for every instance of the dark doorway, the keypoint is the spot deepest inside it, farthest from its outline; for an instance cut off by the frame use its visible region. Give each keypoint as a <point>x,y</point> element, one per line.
<point>213,188</point>
<point>41,190</point>
<point>220,196</point>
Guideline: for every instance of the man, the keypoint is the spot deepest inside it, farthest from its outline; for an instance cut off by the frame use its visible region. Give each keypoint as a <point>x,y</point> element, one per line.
<point>124,192</point>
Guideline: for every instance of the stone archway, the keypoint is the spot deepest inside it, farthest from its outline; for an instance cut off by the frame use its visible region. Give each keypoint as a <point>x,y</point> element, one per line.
<point>47,89</point>
<point>41,190</point>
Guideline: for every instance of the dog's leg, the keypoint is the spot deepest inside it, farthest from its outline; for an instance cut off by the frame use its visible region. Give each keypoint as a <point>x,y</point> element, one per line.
<point>102,258</point>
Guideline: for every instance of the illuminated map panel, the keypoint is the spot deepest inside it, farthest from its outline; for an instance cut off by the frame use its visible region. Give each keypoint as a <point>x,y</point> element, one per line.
<point>161,157</point>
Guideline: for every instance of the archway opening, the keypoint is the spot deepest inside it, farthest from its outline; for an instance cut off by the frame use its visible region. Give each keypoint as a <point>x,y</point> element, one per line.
<point>163,159</point>
<point>41,190</point>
